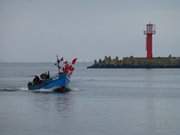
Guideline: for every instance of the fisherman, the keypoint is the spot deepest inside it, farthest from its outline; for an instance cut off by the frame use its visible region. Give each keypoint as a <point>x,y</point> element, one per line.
<point>45,76</point>
<point>36,80</point>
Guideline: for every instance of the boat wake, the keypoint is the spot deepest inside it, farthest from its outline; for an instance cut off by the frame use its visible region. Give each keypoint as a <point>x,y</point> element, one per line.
<point>44,90</point>
<point>23,88</point>
<point>14,89</point>
<point>75,89</point>
<point>39,90</point>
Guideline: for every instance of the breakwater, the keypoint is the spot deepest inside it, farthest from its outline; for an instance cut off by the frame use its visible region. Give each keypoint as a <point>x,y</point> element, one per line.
<point>137,62</point>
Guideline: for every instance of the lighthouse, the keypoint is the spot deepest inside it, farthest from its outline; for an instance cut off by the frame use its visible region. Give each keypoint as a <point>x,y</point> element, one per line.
<point>150,30</point>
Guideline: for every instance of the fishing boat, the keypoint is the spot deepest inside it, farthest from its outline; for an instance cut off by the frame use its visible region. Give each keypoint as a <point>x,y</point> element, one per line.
<point>58,82</point>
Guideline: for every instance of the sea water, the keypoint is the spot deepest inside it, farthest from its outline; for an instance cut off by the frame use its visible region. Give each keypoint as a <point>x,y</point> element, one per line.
<point>101,102</point>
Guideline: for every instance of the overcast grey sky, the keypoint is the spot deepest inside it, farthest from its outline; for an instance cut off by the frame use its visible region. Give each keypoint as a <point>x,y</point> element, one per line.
<point>37,30</point>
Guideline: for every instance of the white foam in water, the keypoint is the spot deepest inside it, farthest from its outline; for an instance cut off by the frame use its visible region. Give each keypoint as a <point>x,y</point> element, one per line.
<point>23,88</point>
<point>45,90</point>
<point>75,89</point>
<point>7,89</point>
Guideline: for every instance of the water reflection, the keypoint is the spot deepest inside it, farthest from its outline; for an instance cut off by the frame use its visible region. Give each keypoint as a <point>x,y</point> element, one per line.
<point>63,103</point>
<point>150,102</point>
<point>50,102</point>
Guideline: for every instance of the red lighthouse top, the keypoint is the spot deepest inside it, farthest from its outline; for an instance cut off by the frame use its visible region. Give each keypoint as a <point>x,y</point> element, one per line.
<point>150,30</point>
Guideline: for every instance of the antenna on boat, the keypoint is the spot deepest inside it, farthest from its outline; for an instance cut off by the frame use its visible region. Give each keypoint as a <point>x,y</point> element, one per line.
<point>57,63</point>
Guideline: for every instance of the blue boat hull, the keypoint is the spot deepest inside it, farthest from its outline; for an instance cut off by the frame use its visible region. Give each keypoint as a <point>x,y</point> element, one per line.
<point>56,83</point>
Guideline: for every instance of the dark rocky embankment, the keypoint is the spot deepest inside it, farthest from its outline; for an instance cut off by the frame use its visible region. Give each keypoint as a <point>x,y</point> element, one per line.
<point>137,62</point>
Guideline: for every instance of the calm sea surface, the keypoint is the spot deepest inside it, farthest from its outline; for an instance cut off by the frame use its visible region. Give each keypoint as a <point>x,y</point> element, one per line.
<point>102,102</point>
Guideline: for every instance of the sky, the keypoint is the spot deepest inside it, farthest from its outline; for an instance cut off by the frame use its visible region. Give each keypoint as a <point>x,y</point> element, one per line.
<point>38,30</point>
